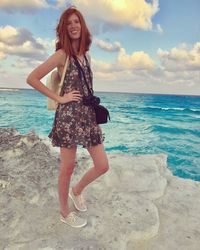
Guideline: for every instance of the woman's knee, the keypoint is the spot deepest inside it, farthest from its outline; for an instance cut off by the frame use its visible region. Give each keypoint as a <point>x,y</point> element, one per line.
<point>100,158</point>
<point>67,170</point>
<point>67,158</point>
<point>102,167</point>
<point>106,167</point>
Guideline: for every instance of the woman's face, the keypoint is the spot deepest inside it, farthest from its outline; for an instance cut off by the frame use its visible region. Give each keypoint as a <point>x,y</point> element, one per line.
<point>74,27</point>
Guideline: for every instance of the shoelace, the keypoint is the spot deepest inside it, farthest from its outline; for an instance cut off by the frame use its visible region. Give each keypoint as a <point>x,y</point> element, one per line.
<point>81,200</point>
<point>73,217</point>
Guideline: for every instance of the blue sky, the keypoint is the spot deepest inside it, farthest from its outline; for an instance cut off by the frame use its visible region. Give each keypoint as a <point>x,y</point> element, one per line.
<point>138,46</point>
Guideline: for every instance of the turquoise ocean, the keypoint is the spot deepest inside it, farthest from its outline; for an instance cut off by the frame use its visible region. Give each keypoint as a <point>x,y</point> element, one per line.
<point>140,124</point>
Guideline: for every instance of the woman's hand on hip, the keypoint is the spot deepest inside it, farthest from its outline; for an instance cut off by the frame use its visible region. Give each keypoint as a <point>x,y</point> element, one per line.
<point>70,97</point>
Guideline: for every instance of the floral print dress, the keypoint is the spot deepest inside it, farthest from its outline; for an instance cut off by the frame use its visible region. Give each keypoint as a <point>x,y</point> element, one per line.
<point>75,123</point>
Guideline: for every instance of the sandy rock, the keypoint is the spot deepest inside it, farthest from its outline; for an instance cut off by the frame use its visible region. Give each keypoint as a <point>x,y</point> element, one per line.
<point>137,204</point>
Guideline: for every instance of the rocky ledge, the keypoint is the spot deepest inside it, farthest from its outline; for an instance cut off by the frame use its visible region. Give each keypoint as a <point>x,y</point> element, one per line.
<point>137,205</point>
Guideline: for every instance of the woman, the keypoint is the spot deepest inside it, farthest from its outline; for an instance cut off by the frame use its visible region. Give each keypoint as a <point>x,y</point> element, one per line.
<point>74,123</point>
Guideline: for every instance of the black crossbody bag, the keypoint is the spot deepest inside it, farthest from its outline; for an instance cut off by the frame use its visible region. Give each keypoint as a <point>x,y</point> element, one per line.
<point>102,113</point>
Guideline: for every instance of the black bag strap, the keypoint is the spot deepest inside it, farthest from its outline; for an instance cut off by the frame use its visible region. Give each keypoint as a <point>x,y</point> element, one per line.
<point>88,67</point>
<point>81,72</point>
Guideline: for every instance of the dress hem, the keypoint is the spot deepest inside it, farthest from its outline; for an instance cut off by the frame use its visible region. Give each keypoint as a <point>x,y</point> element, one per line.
<point>71,146</point>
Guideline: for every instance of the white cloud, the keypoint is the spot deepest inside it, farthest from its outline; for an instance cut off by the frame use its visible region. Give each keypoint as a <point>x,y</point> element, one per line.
<point>159,29</point>
<point>137,72</point>
<point>108,46</point>
<point>136,13</point>
<point>14,80</point>
<point>62,3</point>
<point>25,63</point>
<point>101,66</point>
<point>11,6</point>
<point>20,42</point>
<point>126,68</point>
<point>137,60</point>
<point>181,58</point>
<point>25,53</point>
<point>11,35</point>
<point>27,49</point>
<point>2,55</point>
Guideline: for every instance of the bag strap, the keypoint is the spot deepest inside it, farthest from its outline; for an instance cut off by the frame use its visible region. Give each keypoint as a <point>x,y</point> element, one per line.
<point>81,72</point>
<point>64,70</point>
<point>63,73</point>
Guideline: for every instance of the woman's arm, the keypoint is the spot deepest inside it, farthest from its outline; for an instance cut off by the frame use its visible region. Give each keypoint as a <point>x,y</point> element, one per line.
<point>33,79</point>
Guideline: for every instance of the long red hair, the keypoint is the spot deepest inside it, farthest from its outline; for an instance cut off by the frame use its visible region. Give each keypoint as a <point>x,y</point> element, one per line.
<point>63,40</point>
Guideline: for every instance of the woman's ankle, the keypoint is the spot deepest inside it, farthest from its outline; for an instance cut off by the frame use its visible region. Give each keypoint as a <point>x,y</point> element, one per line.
<point>65,213</point>
<point>75,192</point>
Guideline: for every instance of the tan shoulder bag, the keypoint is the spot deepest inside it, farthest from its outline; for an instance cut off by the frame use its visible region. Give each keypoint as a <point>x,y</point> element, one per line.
<point>54,83</point>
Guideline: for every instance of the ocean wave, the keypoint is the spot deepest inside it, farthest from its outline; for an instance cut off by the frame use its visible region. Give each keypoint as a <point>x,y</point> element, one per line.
<point>174,130</point>
<point>195,116</point>
<point>10,90</point>
<point>153,108</point>
<point>147,124</point>
<point>195,110</point>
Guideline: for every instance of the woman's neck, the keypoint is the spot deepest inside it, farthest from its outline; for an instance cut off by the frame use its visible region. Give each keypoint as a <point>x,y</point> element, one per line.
<point>75,46</point>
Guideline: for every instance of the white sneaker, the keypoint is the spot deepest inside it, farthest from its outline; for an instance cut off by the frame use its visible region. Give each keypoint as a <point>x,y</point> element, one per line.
<point>78,201</point>
<point>73,220</point>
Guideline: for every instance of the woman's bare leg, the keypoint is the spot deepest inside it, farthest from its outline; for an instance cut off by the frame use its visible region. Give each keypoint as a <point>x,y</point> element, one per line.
<point>101,166</point>
<point>67,157</point>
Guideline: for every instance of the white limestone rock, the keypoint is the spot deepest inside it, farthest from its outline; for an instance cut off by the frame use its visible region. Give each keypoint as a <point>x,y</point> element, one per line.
<point>137,205</point>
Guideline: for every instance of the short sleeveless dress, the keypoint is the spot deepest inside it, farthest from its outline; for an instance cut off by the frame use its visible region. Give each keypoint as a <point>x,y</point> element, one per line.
<point>74,123</point>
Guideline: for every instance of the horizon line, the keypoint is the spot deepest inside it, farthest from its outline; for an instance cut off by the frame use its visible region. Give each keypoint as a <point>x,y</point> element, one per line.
<point>144,93</point>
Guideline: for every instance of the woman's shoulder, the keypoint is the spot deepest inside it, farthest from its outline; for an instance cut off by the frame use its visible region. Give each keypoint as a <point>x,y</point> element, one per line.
<point>61,55</point>
<point>61,51</point>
